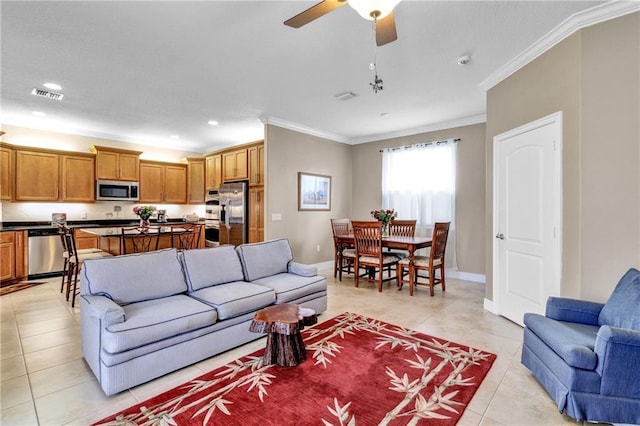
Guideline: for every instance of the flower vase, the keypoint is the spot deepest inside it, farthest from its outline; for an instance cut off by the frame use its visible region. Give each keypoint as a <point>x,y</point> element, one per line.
<point>385,229</point>
<point>145,223</point>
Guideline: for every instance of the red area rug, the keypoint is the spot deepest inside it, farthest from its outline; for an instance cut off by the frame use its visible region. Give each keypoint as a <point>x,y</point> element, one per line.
<point>358,371</point>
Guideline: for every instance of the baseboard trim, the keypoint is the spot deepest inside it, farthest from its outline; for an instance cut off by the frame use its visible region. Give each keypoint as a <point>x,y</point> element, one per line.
<point>466,276</point>
<point>488,306</point>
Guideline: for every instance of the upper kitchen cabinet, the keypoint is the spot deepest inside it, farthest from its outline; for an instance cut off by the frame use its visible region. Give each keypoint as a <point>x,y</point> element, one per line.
<point>163,182</point>
<point>234,165</point>
<point>117,164</point>
<point>37,176</point>
<point>195,180</point>
<point>45,175</point>
<point>213,171</point>
<point>6,173</point>
<point>78,178</point>
<point>256,165</point>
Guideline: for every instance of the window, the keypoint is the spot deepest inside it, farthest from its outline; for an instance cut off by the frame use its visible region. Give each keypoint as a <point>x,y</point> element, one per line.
<point>419,181</point>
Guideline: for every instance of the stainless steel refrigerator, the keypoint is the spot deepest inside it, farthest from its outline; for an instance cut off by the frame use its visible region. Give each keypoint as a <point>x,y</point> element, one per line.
<point>234,204</point>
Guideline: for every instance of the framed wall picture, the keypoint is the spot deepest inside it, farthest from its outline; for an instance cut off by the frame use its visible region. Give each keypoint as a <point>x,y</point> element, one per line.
<point>314,192</point>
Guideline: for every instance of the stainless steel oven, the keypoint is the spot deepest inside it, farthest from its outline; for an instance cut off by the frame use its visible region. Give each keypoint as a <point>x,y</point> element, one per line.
<point>212,218</point>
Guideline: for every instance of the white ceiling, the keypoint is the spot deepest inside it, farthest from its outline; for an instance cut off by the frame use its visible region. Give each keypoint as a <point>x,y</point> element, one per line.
<point>143,71</point>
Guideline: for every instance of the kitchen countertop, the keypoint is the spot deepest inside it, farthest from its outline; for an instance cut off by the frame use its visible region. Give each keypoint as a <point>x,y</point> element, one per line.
<point>114,223</point>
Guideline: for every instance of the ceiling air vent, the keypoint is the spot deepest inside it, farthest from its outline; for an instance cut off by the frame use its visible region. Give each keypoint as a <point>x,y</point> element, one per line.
<point>345,96</point>
<point>47,94</point>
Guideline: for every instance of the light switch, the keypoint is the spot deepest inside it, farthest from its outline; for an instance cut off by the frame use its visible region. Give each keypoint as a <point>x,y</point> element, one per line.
<point>276,217</point>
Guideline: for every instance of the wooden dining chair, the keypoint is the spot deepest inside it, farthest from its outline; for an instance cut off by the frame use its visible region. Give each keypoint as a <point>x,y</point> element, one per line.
<point>134,239</point>
<point>185,236</point>
<point>401,228</point>
<point>344,256</point>
<point>431,264</point>
<point>369,253</point>
<point>73,259</point>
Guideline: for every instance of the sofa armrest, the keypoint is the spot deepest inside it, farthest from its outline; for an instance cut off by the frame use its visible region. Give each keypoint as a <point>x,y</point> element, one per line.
<point>573,310</point>
<point>104,309</point>
<point>301,269</point>
<point>618,352</point>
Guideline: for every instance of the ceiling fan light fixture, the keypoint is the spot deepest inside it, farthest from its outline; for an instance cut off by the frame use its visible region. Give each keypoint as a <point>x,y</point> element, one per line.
<point>373,9</point>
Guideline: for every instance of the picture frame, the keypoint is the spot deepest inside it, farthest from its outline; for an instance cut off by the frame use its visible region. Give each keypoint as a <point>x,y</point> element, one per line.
<point>314,192</point>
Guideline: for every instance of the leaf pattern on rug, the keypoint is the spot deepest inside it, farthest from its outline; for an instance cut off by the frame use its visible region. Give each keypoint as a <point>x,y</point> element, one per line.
<point>421,398</point>
<point>341,413</point>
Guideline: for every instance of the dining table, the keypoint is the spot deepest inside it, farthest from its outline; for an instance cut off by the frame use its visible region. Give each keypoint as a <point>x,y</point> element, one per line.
<point>410,244</point>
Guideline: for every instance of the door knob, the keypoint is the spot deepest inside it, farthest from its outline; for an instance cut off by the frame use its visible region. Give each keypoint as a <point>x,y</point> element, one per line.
<point>500,236</point>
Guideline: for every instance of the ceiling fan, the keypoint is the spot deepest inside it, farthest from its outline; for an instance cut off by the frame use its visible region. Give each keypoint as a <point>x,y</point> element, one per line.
<point>379,11</point>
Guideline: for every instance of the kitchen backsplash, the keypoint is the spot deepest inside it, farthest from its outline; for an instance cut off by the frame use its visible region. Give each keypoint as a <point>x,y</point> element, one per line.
<point>100,210</point>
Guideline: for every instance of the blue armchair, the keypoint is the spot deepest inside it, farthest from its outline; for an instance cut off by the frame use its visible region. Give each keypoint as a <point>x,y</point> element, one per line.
<point>587,355</point>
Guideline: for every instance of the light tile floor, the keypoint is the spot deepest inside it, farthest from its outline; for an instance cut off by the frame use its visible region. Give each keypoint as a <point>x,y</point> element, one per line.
<point>45,381</point>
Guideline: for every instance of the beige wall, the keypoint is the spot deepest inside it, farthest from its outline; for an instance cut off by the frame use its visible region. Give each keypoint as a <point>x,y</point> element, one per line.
<point>356,175</point>
<point>286,153</point>
<point>593,78</point>
<point>470,211</point>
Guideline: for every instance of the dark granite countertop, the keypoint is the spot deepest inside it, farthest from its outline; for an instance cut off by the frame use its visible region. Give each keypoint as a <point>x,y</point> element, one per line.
<point>27,225</point>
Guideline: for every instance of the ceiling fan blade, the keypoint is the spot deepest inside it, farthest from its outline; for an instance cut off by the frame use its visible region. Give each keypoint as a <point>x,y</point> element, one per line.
<point>386,30</point>
<point>314,12</point>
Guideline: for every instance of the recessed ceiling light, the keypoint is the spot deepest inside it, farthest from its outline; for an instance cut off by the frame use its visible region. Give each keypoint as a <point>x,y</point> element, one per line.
<point>175,137</point>
<point>464,60</point>
<point>52,86</point>
<point>38,113</point>
<point>384,114</point>
<point>212,123</point>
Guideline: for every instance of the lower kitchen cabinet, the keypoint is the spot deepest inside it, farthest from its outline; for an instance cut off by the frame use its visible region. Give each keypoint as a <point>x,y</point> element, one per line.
<point>13,248</point>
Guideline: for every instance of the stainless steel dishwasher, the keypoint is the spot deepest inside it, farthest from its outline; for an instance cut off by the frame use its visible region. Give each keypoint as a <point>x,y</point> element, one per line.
<point>45,253</point>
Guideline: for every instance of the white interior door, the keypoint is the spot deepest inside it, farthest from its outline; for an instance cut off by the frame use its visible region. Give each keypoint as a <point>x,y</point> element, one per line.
<point>527,217</point>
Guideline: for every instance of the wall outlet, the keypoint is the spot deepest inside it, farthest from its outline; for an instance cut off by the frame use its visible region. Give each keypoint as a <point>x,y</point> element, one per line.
<point>318,248</point>
<point>83,215</point>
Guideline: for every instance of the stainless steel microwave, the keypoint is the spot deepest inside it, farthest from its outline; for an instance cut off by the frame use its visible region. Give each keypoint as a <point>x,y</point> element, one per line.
<point>117,190</point>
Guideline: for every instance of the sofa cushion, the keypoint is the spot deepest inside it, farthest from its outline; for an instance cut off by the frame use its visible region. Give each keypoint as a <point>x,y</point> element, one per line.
<point>233,299</point>
<point>621,310</point>
<point>573,342</point>
<point>211,266</point>
<point>290,287</point>
<point>264,259</point>
<point>154,320</point>
<point>135,277</point>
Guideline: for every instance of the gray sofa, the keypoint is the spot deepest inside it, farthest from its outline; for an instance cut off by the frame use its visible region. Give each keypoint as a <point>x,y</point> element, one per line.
<point>145,315</point>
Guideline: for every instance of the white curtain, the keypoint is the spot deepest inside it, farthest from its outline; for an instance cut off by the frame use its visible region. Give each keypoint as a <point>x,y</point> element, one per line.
<point>419,182</point>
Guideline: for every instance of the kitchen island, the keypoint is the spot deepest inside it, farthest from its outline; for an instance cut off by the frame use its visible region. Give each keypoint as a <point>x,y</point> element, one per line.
<point>109,237</point>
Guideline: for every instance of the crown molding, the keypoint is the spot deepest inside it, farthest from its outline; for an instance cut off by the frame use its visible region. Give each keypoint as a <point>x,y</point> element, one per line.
<point>577,21</point>
<point>275,121</point>
<point>467,121</point>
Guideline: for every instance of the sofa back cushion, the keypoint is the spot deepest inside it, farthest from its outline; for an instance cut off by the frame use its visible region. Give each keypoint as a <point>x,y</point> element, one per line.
<point>621,310</point>
<point>211,266</point>
<point>261,260</point>
<point>135,277</point>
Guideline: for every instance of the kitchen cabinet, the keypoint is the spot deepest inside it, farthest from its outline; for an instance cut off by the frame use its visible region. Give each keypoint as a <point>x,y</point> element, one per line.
<point>37,176</point>
<point>256,213</point>
<point>6,173</point>
<point>85,240</point>
<point>213,171</point>
<point>163,183</point>
<point>256,165</point>
<point>234,165</point>
<point>78,178</point>
<point>195,180</point>
<point>117,164</point>
<point>13,254</point>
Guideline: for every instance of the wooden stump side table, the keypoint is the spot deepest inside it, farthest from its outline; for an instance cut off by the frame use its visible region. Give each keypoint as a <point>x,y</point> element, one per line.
<point>283,323</point>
